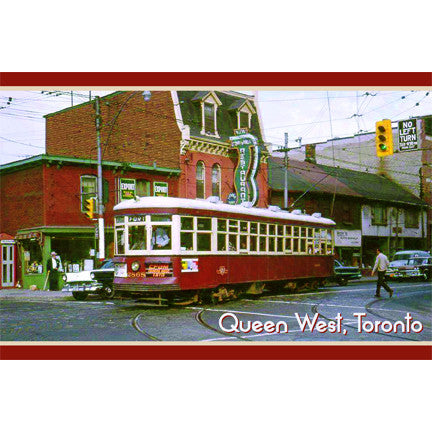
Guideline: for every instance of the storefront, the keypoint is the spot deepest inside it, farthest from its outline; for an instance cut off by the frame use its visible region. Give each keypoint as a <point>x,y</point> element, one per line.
<point>74,246</point>
<point>348,246</point>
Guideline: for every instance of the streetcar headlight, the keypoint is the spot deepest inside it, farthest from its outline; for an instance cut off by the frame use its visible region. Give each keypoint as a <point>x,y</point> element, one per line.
<point>135,266</point>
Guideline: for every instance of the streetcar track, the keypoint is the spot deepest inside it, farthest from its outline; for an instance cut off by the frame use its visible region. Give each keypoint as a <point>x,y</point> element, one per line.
<point>200,320</point>
<point>136,326</point>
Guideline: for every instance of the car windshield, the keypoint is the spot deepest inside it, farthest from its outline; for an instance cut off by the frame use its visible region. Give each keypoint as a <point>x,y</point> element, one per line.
<point>403,257</point>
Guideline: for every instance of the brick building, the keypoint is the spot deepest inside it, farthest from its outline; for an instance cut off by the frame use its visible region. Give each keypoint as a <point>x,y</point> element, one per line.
<point>176,144</point>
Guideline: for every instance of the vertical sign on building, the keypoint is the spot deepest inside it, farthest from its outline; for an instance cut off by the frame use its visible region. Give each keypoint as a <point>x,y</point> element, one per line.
<point>249,154</point>
<point>407,135</point>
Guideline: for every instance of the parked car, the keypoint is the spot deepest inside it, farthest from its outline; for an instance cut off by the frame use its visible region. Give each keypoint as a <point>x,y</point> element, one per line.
<point>413,264</point>
<point>87,282</point>
<point>343,273</point>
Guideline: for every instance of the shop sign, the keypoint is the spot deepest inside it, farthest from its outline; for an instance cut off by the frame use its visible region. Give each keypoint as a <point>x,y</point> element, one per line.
<point>348,238</point>
<point>160,189</point>
<point>249,154</point>
<point>189,265</point>
<point>407,135</point>
<point>127,189</point>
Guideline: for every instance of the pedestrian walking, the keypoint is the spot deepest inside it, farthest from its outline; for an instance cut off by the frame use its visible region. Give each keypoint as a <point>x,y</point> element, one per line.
<point>381,265</point>
<point>53,267</point>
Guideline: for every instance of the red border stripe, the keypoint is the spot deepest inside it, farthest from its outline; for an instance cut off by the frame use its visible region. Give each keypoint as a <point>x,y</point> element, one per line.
<point>216,352</point>
<point>215,79</point>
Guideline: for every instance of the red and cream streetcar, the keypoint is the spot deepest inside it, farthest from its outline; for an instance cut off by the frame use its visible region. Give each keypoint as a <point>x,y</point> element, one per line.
<point>179,251</point>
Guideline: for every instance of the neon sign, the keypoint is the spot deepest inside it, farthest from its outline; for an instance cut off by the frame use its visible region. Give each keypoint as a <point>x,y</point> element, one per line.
<point>249,154</point>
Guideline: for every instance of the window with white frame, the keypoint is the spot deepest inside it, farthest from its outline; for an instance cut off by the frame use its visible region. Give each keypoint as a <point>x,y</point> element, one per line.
<point>88,186</point>
<point>200,180</point>
<point>209,107</point>
<point>216,180</point>
<point>379,215</point>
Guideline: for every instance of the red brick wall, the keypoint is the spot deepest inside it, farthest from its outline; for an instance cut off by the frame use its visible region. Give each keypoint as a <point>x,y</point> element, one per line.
<point>188,177</point>
<point>62,193</point>
<point>21,200</point>
<point>143,132</point>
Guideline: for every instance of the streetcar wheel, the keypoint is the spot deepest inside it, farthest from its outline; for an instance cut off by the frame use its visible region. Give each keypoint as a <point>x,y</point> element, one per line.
<point>343,281</point>
<point>79,295</point>
<point>108,292</point>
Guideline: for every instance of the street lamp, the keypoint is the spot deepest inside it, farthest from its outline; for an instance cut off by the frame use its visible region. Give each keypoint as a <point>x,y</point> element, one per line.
<point>146,95</point>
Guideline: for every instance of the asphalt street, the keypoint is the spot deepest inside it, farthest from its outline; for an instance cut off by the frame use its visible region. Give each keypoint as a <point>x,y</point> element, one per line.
<point>332,314</point>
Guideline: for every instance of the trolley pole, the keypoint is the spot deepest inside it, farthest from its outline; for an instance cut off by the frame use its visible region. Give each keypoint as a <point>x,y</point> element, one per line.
<point>99,182</point>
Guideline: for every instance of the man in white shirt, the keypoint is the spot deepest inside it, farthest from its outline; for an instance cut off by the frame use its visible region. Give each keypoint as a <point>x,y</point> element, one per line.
<point>53,267</point>
<point>380,267</point>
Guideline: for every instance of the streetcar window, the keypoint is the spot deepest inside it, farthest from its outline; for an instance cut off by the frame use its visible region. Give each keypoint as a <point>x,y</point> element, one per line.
<point>263,244</point>
<point>232,242</point>
<point>161,237</point>
<point>295,244</point>
<point>280,230</point>
<point>187,223</point>
<point>221,242</point>
<point>271,244</point>
<point>271,230</point>
<point>243,243</point>
<point>186,241</point>
<point>288,231</point>
<point>222,225</point>
<point>253,228</point>
<point>280,247</point>
<point>204,224</point>
<point>263,228</point>
<point>120,241</point>
<point>120,220</point>
<point>203,242</point>
<point>288,245</point>
<point>137,237</point>
<point>296,232</point>
<point>233,226</point>
<point>302,245</point>
<point>243,226</point>
<point>253,243</point>
<point>161,218</point>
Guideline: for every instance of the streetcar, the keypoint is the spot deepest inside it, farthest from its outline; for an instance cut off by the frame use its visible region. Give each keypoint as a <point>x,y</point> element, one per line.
<point>182,251</point>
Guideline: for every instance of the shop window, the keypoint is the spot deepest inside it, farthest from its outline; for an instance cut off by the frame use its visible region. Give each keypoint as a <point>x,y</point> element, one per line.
<point>347,213</point>
<point>216,180</point>
<point>32,257</point>
<point>88,185</point>
<point>200,180</point>
<point>411,218</point>
<point>379,215</point>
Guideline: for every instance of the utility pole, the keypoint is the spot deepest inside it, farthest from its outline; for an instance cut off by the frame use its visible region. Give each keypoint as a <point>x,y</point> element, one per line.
<point>100,208</point>
<point>286,172</point>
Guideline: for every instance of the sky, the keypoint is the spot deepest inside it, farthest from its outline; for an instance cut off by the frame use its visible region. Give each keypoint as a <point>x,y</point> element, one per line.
<point>313,116</point>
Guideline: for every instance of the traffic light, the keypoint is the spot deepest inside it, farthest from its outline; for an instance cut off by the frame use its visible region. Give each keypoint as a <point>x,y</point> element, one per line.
<point>384,138</point>
<point>89,205</point>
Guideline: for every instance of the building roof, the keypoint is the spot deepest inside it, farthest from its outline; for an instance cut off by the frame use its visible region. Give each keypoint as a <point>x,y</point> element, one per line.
<point>327,179</point>
<point>191,113</point>
<point>64,160</point>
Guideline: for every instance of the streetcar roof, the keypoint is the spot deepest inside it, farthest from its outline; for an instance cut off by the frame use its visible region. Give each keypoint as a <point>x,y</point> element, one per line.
<point>208,205</point>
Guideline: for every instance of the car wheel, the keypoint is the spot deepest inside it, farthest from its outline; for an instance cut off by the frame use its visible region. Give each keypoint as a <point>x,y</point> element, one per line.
<point>79,295</point>
<point>343,281</point>
<point>108,292</point>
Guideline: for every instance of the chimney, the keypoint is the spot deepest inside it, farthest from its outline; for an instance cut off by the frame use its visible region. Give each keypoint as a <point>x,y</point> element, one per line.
<point>310,155</point>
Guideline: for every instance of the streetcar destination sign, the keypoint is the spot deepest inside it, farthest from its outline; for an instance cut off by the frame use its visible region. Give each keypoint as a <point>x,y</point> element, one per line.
<point>407,135</point>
